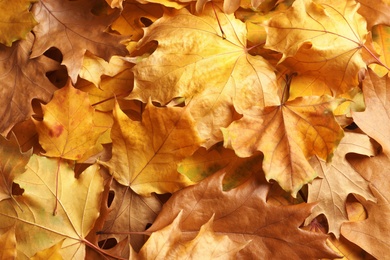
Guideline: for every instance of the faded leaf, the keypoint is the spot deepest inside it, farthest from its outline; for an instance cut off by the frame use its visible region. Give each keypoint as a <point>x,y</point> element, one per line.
<point>52,253</point>
<point>22,79</point>
<point>36,227</point>
<point>290,134</point>
<point>163,138</point>
<point>244,215</point>
<point>15,20</point>
<point>338,180</point>
<point>375,120</point>
<point>12,163</point>
<point>68,129</point>
<point>375,12</point>
<point>304,33</point>
<point>64,24</point>
<point>225,73</point>
<point>167,244</point>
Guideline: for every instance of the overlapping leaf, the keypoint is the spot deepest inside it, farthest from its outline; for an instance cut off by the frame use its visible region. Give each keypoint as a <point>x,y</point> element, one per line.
<point>375,120</point>
<point>337,180</point>
<point>22,79</point>
<point>65,24</point>
<point>145,154</point>
<point>304,33</point>
<point>69,127</point>
<point>288,135</point>
<point>244,215</point>
<point>212,68</point>
<point>36,227</point>
<point>15,20</point>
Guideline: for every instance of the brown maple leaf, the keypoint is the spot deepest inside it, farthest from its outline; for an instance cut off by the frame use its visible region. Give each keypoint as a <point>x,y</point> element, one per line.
<point>22,79</point>
<point>244,215</point>
<point>67,25</point>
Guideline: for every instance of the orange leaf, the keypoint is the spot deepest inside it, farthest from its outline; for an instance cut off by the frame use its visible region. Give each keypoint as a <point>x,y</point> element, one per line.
<point>288,135</point>
<point>68,129</point>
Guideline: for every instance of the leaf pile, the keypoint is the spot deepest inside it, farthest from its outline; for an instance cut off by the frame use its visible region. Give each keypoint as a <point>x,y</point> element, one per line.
<point>194,129</point>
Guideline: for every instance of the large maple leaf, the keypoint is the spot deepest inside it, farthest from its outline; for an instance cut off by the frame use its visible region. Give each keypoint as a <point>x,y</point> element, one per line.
<point>338,180</point>
<point>22,79</point>
<point>304,33</point>
<point>288,135</point>
<point>36,228</point>
<point>373,233</point>
<point>244,215</point>
<point>375,120</point>
<point>69,127</point>
<point>67,25</point>
<point>15,20</point>
<point>145,154</point>
<point>212,68</point>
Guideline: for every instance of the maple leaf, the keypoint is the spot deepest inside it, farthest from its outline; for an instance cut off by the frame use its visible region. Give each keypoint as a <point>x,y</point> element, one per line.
<point>12,163</point>
<point>50,253</point>
<point>304,33</point>
<point>375,12</point>
<point>68,128</point>
<point>22,79</point>
<point>16,21</point>
<point>338,180</point>
<point>36,227</point>
<point>166,244</point>
<point>244,215</point>
<point>288,135</point>
<point>129,212</point>
<point>373,233</point>
<point>381,36</point>
<point>163,138</point>
<point>67,25</point>
<point>8,244</point>
<point>375,120</point>
<point>213,68</point>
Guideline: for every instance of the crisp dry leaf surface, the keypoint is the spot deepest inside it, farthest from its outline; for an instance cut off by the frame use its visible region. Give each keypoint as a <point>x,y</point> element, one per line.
<point>291,134</point>
<point>32,212</point>
<point>68,129</point>
<point>64,24</point>
<point>304,33</point>
<point>244,215</point>
<point>15,20</point>
<point>22,79</point>
<point>375,11</point>
<point>225,73</point>
<point>8,244</point>
<point>145,154</point>
<point>375,120</point>
<point>337,180</point>
<point>167,244</point>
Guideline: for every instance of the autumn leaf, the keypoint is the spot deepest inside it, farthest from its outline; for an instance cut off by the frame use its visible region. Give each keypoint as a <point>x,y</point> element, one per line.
<point>375,120</point>
<point>290,134</point>
<point>337,180</point>
<point>244,215</point>
<point>22,80</point>
<point>375,12</point>
<point>304,33</point>
<point>68,129</point>
<point>225,73</point>
<point>129,212</point>
<point>163,138</point>
<point>16,21</point>
<point>167,244</point>
<point>381,37</point>
<point>8,244</point>
<point>12,162</point>
<point>36,227</point>
<point>52,253</point>
<point>64,24</point>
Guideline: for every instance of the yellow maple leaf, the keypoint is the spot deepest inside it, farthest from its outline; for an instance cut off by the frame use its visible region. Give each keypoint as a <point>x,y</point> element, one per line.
<point>15,20</point>
<point>68,129</point>
<point>145,154</point>
<point>304,34</point>
<point>288,135</point>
